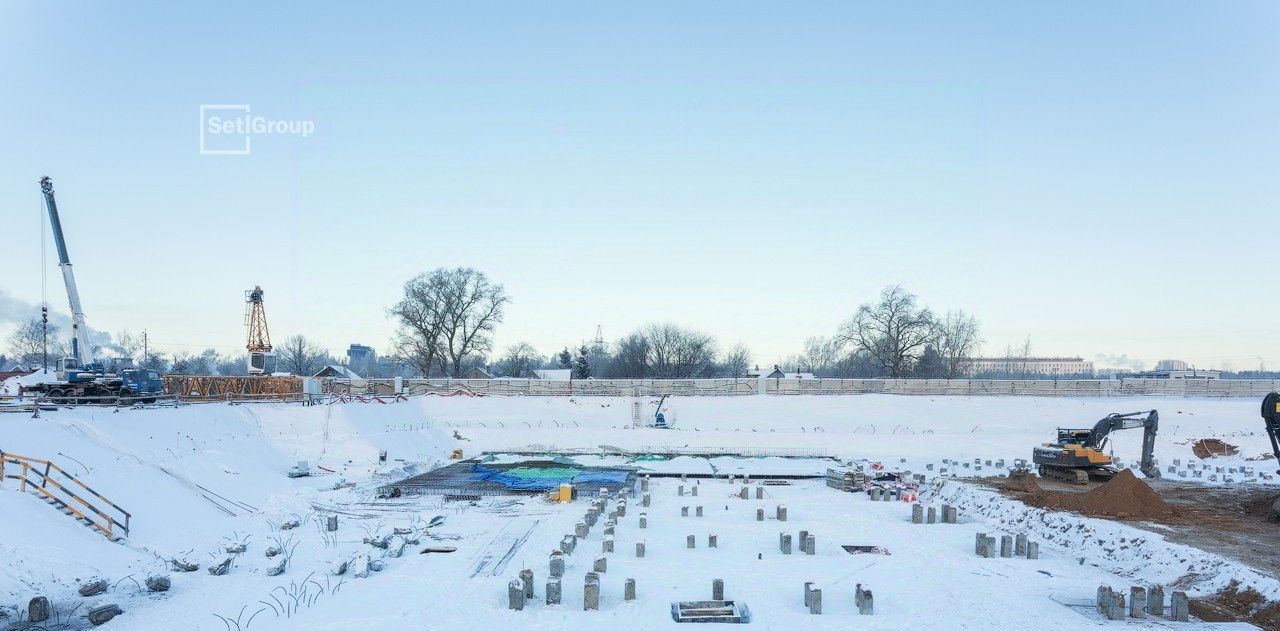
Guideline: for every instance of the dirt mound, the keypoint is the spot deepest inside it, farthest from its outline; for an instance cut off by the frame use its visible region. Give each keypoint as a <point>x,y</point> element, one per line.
<point>1233,604</point>
<point>1123,497</point>
<point>1206,448</point>
<point>1022,482</point>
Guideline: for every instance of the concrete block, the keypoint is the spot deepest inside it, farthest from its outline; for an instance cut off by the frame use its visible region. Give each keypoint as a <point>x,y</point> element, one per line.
<point>580,530</point>
<point>1020,545</point>
<point>867,606</point>
<point>782,512</point>
<point>331,524</point>
<point>691,542</point>
<point>759,514</point>
<point>639,549</point>
<point>684,511</point>
<point>932,517</point>
<point>606,546</point>
<point>644,520</point>
<point>600,565</point>
<point>100,615</point>
<point>1033,550</point>
<point>1137,602</point>
<point>1006,546</point>
<point>717,589</point>
<point>809,545</point>
<point>977,543</point>
<point>629,589</point>
<point>645,501</point>
<point>526,579</point>
<point>680,490</point>
<point>786,543</point>
<point>698,512</point>
<point>38,610</point>
<point>515,595</point>
<point>1155,600</point>
<point>1180,607</point>
<point>694,490</point>
<point>591,594</point>
<point>557,565</point>
<point>712,540</point>
<point>553,591</point>
<point>815,601</point>
<point>759,492</point>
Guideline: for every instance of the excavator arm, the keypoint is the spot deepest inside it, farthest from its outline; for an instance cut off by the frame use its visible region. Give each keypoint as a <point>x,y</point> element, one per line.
<point>1271,416</point>
<point>1149,422</point>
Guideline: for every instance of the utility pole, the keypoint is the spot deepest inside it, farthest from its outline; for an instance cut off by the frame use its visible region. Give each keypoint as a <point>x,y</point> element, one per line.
<point>144,348</point>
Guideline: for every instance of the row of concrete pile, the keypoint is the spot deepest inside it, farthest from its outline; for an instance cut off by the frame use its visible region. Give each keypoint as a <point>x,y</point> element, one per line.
<point>1010,546</point>
<point>520,589</point>
<point>808,543</point>
<point>918,516</point>
<point>1143,603</point>
<point>861,597</point>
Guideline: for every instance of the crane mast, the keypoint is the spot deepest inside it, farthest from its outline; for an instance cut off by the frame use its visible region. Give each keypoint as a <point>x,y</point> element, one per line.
<point>261,359</point>
<point>80,348</point>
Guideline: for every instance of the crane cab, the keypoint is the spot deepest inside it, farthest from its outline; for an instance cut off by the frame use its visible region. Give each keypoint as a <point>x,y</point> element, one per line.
<point>262,362</point>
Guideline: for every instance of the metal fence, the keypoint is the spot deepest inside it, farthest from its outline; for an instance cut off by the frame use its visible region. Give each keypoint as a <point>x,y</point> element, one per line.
<point>542,387</point>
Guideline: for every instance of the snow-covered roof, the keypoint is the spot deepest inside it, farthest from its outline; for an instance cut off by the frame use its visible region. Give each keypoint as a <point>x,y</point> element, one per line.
<point>341,372</point>
<point>554,374</point>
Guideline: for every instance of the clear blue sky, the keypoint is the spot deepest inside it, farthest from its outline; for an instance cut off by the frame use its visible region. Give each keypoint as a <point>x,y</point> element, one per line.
<point>1099,176</point>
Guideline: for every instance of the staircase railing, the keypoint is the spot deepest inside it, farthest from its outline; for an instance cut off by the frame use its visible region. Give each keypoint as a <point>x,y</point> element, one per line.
<point>41,477</point>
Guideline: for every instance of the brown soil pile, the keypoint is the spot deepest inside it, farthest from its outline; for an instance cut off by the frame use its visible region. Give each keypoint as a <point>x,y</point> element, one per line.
<point>1206,448</point>
<point>1022,482</point>
<point>1123,497</point>
<point>1234,604</point>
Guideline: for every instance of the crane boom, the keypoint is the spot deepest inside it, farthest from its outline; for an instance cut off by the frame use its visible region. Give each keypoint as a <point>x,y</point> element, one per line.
<point>80,348</point>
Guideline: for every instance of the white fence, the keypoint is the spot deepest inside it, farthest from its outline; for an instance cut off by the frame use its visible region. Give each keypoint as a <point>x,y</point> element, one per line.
<point>734,387</point>
<point>1047,388</point>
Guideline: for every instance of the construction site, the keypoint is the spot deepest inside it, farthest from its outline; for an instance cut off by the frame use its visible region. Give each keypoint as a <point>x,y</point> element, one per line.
<point>557,510</point>
<point>625,316</point>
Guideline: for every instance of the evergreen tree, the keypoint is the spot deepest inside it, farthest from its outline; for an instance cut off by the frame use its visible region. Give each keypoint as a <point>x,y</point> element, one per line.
<point>565,358</point>
<point>930,365</point>
<point>581,365</point>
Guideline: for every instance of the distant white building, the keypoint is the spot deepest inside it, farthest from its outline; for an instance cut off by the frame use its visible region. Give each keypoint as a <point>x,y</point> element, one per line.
<point>553,374</point>
<point>1171,364</point>
<point>1186,375</point>
<point>1039,366</point>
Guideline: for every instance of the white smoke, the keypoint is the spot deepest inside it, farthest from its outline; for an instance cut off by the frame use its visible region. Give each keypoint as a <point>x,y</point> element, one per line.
<point>15,311</point>
<point>1103,361</point>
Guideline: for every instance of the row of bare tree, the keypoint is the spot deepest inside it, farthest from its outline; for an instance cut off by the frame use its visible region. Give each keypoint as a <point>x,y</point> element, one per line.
<point>896,337</point>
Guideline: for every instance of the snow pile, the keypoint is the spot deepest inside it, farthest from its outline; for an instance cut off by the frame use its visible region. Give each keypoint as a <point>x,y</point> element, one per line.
<point>1140,555</point>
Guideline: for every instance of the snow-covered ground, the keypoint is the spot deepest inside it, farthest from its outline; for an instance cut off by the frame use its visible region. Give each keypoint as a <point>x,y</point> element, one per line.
<point>196,477</point>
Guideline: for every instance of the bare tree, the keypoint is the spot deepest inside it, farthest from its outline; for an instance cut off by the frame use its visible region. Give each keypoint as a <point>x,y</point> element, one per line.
<point>737,361</point>
<point>892,332</point>
<point>520,361</point>
<point>300,356</point>
<point>421,318</point>
<point>958,342</point>
<point>26,343</point>
<point>665,351</point>
<point>473,307</point>
<point>820,356</point>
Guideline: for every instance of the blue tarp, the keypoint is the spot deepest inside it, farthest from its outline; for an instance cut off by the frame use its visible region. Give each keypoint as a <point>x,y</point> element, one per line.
<point>580,477</point>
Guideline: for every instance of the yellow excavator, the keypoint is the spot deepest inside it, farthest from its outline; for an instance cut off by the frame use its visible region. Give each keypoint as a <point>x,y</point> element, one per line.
<point>1077,456</point>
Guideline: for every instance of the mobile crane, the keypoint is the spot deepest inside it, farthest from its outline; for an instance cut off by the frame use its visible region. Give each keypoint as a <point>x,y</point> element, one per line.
<point>1078,454</point>
<point>79,376</point>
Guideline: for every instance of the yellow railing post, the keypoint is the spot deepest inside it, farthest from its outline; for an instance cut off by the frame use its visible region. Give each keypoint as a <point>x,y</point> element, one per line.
<point>23,483</point>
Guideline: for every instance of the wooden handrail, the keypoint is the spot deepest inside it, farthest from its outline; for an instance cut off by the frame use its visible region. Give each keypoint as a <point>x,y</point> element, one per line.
<point>45,479</point>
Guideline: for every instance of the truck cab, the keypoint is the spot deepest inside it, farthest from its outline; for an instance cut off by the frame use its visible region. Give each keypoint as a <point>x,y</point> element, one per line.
<point>141,382</point>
